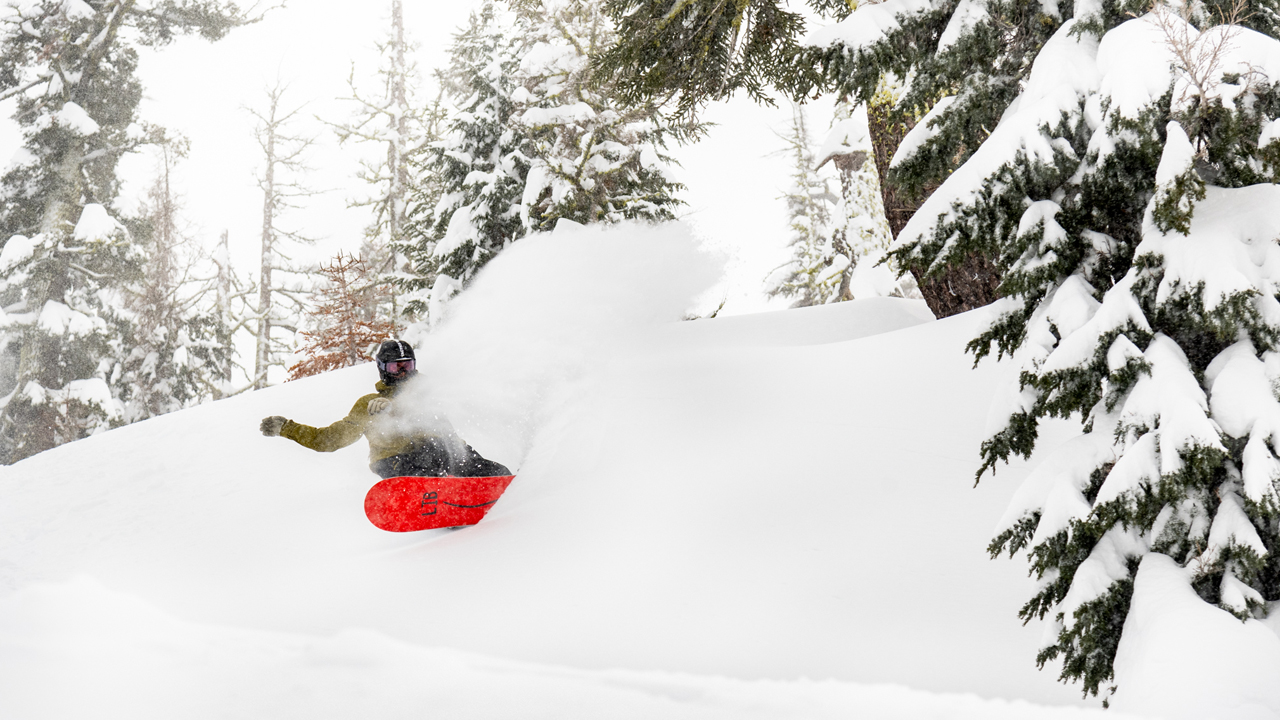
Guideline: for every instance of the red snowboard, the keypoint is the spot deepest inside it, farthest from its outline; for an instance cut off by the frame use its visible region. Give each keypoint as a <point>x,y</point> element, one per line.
<point>404,504</point>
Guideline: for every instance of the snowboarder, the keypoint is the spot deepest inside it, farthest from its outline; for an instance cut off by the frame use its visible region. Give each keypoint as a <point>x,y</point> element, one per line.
<point>394,450</point>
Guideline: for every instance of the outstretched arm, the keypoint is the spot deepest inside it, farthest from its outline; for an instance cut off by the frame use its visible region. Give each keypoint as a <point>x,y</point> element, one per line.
<point>325,439</point>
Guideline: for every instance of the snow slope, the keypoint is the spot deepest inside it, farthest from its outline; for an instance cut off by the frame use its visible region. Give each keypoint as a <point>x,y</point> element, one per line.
<point>751,517</point>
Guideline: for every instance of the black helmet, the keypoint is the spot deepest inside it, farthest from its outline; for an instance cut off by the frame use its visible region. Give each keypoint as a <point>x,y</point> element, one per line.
<point>395,361</point>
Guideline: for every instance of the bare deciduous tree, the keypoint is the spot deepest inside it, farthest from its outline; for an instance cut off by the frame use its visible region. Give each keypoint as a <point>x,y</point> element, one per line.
<point>284,161</point>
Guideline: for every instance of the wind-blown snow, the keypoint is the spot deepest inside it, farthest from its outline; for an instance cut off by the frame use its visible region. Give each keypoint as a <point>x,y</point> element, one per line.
<point>544,311</point>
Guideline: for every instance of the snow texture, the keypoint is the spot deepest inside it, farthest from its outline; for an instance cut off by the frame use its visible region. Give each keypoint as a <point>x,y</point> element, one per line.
<point>58,319</point>
<point>847,137</point>
<point>74,118</point>
<point>1178,156</point>
<point>19,249</point>
<point>96,224</point>
<point>1136,65</point>
<point>1230,248</point>
<point>922,131</point>
<point>967,14</point>
<point>1169,629</point>
<point>122,656</point>
<point>867,25</point>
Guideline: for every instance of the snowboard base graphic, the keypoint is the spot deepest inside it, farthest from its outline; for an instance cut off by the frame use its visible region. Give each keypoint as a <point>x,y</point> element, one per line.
<point>405,504</point>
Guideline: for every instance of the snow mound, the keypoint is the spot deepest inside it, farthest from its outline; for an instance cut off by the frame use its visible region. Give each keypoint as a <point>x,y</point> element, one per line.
<point>120,657</point>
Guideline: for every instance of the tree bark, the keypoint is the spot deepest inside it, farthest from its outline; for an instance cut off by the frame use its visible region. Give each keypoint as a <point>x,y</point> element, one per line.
<point>970,284</point>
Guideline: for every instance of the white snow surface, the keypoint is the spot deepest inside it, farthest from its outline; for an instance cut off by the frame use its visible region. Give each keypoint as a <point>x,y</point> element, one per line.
<point>867,25</point>
<point>847,136</point>
<point>921,132</point>
<point>95,224</point>
<point>750,517</point>
<point>1230,248</point>
<point>1170,626</point>
<point>74,117</point>
<point>968,14</point>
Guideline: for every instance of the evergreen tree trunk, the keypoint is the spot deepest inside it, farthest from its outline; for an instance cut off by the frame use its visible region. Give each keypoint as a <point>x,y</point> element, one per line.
<point>956,289</point>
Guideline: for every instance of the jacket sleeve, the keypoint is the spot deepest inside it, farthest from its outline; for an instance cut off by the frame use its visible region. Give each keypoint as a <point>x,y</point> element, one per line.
<point>335,436</point>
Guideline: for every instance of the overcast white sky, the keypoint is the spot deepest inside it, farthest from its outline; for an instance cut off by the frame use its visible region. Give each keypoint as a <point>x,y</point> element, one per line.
<point>201,90</point>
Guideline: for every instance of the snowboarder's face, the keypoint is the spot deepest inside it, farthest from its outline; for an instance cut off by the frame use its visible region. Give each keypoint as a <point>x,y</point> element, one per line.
<point>398,369</point>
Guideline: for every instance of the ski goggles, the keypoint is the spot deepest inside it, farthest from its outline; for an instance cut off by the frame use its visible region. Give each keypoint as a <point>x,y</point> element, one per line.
<point>395,367</point>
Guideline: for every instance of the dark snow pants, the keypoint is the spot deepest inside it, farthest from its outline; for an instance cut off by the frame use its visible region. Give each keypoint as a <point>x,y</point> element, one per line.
<point>439,458</point>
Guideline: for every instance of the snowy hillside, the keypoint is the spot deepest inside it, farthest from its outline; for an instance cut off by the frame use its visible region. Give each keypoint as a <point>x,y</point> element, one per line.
<point>750,517</point>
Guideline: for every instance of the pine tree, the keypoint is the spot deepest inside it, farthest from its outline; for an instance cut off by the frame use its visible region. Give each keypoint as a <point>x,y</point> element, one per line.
<point>343,334</point>
<point>66,260</point>
<point>861,222</point>
<point>180,348</point>
<point>1126,194</point>
<point>480,164</point>
<point>425,191</point>
<point>835,231</point>
<point>594,158</point>
<point>280,302</point>
<point>534,139</point>
<point>697,51</point>
<point>813,275</point>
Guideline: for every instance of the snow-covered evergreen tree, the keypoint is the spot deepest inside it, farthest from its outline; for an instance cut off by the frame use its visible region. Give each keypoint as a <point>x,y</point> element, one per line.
<point>809,276</point>
<point>861,224</point>
<point>180,346</point>
<point>534,138</point>
<point>235,296</point>
<point>480,164</point>
<point>836,231</point>
<point>593,157</point>
<point>424,192</point>
<point>1126,189</point>
<point>71,66</point>
<point>696,51</point>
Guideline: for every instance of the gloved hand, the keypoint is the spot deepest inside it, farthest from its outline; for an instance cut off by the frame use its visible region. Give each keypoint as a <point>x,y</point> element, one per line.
<point>271,426</point>
<point>379,405</point>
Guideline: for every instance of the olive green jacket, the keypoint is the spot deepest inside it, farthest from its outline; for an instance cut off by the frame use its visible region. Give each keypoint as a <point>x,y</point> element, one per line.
<point>383,441</point>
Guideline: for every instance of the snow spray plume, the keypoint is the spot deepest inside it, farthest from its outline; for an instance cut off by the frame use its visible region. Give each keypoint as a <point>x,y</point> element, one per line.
<point>543,312</point>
